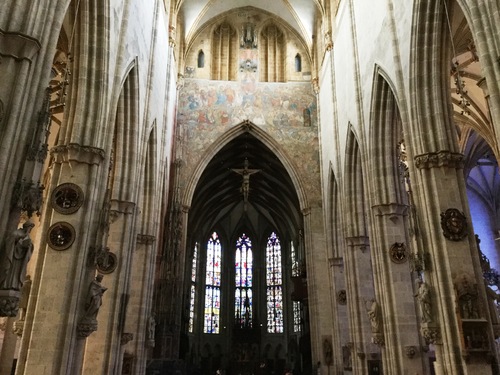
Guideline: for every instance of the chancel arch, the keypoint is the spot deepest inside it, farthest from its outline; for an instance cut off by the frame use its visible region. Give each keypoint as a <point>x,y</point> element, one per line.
<point>246,193</point>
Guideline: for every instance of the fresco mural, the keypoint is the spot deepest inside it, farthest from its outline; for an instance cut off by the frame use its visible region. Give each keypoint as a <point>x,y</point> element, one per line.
<point>286,111</point>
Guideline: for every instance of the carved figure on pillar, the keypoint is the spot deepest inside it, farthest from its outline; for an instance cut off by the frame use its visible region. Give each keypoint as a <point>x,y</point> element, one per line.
<point>373,311</point>
<point>151,331</point>
<point>16,255</point>
<point>94,298</point>
<point>25,295</point>
<point>467,298</point>
<point>424,301</point>
<point>93,302</point>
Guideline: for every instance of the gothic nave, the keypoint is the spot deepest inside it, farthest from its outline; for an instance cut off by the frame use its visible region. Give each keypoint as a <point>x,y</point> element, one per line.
<point>250,187</point>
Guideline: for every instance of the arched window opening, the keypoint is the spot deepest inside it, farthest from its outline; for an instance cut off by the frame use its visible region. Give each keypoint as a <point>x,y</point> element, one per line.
<point>201,59</point>
<point>212,285</point>
<point>243,291</point>
<point>298,63</point>
<point>274,281</point>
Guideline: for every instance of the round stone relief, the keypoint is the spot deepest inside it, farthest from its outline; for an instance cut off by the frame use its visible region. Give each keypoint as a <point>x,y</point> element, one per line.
<point>109,265</point>
<point>67,198</point>
<point>342,297</point>
<point>454,224</point>
<point>60,236</point>
<point>398,252</point>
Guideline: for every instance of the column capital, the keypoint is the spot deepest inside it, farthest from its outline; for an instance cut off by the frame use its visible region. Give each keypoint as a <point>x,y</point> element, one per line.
<point>75,152</point>
<point>440,159</point>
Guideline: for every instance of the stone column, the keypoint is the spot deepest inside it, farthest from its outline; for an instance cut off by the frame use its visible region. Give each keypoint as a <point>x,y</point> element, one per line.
<point>319,291</point>
<point>394,285</point>
<point>340,317</point>
<point>141,321</point>
<point>360,291</point>
<point>104,349</point>
<point>62,273</point>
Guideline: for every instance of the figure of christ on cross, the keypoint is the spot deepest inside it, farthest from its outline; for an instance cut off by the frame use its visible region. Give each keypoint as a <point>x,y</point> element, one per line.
<point>245,173</point>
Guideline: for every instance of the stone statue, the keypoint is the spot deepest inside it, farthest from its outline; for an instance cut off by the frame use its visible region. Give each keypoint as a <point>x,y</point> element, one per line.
<point>424,301</point>
<point>151,331</point>
<point>373,311</point>
<point>94,298</point>
<point>17,253</point>
<point>467,297</point>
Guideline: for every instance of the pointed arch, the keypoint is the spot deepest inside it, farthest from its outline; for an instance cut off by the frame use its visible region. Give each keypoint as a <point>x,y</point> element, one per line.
<point>148,197</point>
<point>354,188</point>
<point>125,144</point>
<point>386,133</point>
<point>334,232</point>
<point>262,136</point>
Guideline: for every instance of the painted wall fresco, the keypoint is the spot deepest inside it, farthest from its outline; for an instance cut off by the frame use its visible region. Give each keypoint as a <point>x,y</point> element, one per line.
<point>286,111</point>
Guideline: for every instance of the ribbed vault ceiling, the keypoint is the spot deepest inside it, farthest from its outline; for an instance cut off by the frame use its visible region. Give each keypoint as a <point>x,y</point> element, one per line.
<point>218,196</point>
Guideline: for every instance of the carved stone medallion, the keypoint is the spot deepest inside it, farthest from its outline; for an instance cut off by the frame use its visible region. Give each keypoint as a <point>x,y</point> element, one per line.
<point>454,224</point>
<point>342,297</point>
<point>398,252</point>
<point>67,198</point>
<point>60,236</point>
<point>109,264</point>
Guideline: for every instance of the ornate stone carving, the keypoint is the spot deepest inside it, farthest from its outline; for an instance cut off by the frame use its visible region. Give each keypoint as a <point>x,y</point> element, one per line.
<point>61,236</point>
<point>327,351</point>
<point>102,259</point>
<point>440,159</point>
<point>126,338</point>
<point>342,297</point>
<point>431,334</point>
<point>328,41</point>
<point>18,327</point>
<point>75,152</point>
<point>145,239</point>
<point>248,38</point>
<point>378,339</point>
<point>151,331</point>
<point>467,297</point>
<point>27,196</point>
<point>248,65</point>
<point>398,253</point>
<point>67,198</point>
<point>410,351</point>
<point>454,224</point>
<point>375,315</point>
<point>417,262</point>
<point>9,303</point>
<point>3,323</point>
<point>88,323</point>
<point>424,301</point>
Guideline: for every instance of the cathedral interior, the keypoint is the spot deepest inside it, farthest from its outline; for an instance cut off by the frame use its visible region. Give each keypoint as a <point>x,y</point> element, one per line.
<point>245,187</point>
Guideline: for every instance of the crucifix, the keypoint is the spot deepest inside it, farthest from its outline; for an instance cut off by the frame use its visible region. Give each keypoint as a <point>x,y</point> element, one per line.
<point>245,173</point>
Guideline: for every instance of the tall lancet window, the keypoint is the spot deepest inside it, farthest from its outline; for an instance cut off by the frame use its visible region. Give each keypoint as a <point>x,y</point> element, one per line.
<point>212,285</point>
<point>243,292</point>
<point>193,287</point>
<point>274,280</point>
<point>295,273</point>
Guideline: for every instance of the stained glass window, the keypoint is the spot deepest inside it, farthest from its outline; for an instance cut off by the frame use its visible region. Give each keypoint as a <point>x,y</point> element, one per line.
<point>295,273</point>
<point>193,287</point>
<point>212,285</point>
<point>243,291</point>
<point>274,281</point>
